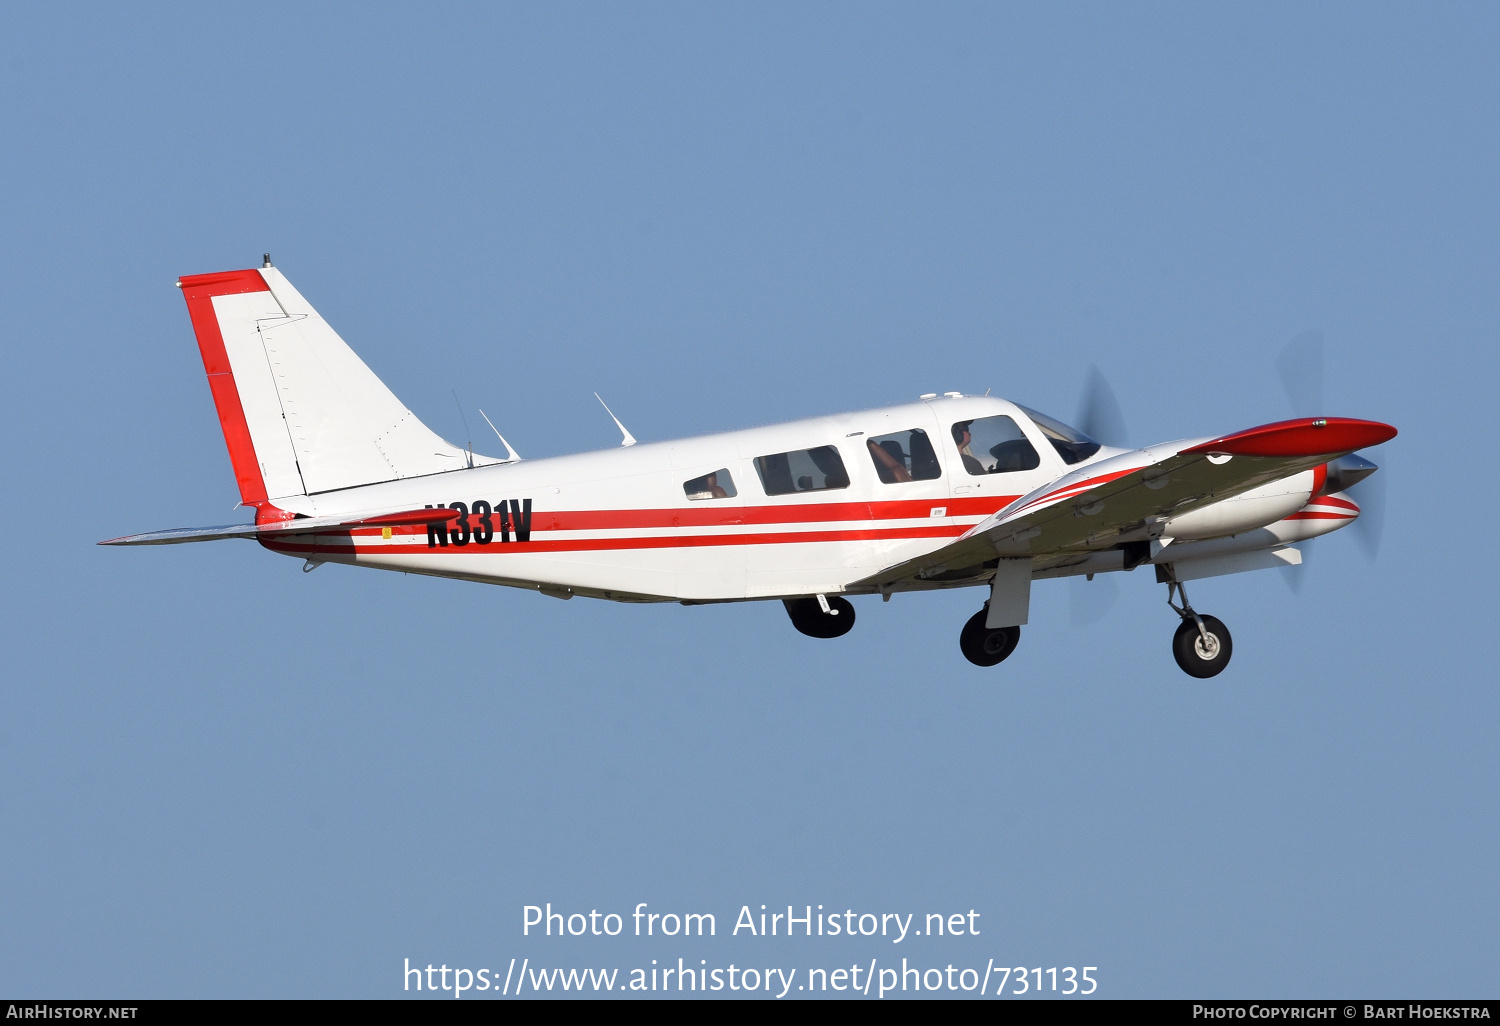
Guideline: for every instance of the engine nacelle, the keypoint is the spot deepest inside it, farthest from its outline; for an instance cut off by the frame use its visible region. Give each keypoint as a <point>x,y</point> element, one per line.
<point>1244,512</point>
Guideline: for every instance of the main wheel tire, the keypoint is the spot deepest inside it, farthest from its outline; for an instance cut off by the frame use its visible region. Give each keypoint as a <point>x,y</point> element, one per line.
<point>809,618</point>
<point>1196,658</point>
<point>987,646</point>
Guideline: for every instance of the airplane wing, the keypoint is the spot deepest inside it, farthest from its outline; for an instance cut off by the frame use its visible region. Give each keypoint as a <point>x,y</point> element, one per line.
<point>303,525</point>
<point>1124,497</point>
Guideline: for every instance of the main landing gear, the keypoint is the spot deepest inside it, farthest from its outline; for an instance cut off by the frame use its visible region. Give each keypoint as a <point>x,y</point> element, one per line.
<point>821,617</point>
<point>987,646</point>
<point>1202,645</point>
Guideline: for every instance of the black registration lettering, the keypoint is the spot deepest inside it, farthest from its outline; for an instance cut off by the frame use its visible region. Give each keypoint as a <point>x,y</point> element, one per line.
<point>484,529</point>
<point>514,516</point>
<point>437,533</point>
<point>521,510</point>
<point>460,531</point>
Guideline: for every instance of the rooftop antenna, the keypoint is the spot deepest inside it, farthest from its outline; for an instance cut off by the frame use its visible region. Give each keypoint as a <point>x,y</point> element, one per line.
<point>511,456</point>
<point>466,428</point>
<point>267,259</point>
<point>629,438</point>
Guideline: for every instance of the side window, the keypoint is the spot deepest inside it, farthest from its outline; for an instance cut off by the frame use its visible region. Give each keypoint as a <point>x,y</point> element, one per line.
<point>904,456</point>
<point>805,470</point>
<point>718,485</point>
<point>993,445</point>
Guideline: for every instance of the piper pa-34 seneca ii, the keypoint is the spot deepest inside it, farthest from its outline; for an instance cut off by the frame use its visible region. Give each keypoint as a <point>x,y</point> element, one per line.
<point>951,491</point>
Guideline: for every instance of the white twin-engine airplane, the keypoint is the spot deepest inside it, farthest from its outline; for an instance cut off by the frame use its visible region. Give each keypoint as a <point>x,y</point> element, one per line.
<point>951,491</point>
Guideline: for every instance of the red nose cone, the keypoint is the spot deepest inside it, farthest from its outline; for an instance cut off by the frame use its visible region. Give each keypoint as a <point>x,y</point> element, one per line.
<point>1306,436</point>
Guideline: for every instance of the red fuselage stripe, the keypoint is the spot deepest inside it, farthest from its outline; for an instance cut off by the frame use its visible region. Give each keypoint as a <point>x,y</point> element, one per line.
<point>663,542</point>
<point>732,516</point>
<point>1077,488</point>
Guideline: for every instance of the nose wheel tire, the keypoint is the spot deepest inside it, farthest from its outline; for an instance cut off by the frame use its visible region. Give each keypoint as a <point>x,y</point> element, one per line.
<point>987,646</point>
<point>1201,656</point>
<point>808,617</point>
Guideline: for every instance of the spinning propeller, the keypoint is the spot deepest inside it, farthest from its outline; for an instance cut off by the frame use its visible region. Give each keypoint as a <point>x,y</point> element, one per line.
<point>1099,417</point>
<point>1099,414</point>
<point>1301,369</point>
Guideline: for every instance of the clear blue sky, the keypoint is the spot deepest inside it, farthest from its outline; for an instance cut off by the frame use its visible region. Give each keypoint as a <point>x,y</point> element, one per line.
<point>222,777</point>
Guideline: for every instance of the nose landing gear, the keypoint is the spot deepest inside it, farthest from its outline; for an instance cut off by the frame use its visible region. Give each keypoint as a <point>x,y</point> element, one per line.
<point>1202,644</point>
<point>987,646</point>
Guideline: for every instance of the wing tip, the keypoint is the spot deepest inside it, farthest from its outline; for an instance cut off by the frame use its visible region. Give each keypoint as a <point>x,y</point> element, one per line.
<point>1305,436</point>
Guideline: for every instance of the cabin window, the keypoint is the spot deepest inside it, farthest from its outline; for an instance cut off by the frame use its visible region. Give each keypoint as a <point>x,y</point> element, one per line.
<point>993,445</point>
<point>718,485</point>
<point>1071,444</point>
<point>904,456</point>
<point>806,470</point>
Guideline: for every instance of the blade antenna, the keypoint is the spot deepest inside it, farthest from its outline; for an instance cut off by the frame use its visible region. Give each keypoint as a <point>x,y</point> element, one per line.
<point>511,456</point>
<point>629,438</point>
<point>466,428</point>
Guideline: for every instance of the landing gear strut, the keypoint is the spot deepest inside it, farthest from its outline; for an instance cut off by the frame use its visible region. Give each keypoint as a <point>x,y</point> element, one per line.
<point>821,617</point>
<point>1202,645</point>
<point>987,646</point>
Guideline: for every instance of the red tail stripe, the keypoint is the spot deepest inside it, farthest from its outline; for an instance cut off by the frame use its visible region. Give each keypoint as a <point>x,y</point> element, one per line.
<point>199,290</point>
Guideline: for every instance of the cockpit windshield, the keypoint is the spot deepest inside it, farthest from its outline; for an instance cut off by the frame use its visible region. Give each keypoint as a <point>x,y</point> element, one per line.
<point>1071,444</point>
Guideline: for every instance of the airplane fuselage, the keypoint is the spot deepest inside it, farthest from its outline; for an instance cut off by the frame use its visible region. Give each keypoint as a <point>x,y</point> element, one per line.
<point>626,523</point>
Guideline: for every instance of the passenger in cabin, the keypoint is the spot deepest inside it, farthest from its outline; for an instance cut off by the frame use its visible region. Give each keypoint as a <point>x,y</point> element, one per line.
<point>890,465</point>
<point>718,485</point>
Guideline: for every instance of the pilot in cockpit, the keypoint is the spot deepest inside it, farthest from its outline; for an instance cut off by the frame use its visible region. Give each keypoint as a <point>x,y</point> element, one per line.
<point>962,437</point>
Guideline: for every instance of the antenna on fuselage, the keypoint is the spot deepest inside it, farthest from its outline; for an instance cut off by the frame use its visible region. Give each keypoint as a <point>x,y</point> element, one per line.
<point>466,428</point>
<point>629,438</point>
<point>511,456</point>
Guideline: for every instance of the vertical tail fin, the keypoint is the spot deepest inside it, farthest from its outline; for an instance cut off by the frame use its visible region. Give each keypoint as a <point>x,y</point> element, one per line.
<point>301,412</point>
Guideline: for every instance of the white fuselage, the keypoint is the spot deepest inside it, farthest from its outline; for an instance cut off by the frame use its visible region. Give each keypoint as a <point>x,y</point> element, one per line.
<point>619,524</point>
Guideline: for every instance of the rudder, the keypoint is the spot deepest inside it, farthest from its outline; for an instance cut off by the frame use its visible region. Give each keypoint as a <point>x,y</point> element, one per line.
<point>301,413</point>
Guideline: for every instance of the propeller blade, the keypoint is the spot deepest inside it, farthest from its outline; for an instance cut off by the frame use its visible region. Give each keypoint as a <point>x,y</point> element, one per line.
<point>1301,368</point>
<point>1099,414</point>
<point>1090,601</point>
<point>1371,495</point>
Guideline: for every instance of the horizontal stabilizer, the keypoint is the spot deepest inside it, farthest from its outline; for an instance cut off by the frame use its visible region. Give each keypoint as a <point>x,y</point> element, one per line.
<point>302,525</point>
